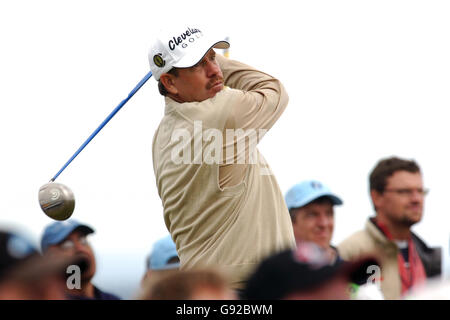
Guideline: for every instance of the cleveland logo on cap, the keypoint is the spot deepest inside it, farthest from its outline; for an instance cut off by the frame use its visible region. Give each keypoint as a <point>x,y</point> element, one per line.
<point>175,41</point>
<point>158,60</point>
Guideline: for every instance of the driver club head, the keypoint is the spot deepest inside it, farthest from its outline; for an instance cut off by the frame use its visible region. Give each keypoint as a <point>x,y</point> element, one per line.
<point>56,200</point>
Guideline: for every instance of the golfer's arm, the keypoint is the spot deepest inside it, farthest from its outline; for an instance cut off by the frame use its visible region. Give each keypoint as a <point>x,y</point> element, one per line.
<point>263,97</point>
<point>240,76</point>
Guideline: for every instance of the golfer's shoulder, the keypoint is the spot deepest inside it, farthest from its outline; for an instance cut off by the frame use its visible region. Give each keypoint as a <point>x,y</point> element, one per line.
<point>223,100</point>
<point>273,92</point>
<point>209,112</point>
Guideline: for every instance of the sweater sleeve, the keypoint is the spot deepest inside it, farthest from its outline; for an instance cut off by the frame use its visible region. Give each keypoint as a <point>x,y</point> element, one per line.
<point>260,98</point>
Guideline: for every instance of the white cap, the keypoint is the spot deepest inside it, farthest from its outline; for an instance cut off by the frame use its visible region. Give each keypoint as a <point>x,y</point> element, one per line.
<point>182,48</point>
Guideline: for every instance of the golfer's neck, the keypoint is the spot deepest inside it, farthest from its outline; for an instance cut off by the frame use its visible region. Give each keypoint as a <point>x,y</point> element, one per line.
<point>176,98</point>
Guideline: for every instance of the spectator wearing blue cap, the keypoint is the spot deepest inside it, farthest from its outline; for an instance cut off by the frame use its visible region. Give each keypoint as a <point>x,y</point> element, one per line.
<point>68,238</point>
<point>164,255</point>
<point>25,274</point>
<point>311,206</point>
<point>163,260</point>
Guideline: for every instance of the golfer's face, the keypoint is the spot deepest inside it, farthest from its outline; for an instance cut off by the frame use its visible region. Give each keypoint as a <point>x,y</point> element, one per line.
<point>200,82</point>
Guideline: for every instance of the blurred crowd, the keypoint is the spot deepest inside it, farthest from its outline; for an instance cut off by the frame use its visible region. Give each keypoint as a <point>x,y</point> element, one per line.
<point>384,260</point>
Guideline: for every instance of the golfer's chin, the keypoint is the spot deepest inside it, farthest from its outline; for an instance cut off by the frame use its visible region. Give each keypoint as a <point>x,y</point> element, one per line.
<point>204,95</point>
<point>216,89</point>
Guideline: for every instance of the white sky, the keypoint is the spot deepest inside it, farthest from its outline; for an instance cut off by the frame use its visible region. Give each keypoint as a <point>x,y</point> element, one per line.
<point>366,79</point>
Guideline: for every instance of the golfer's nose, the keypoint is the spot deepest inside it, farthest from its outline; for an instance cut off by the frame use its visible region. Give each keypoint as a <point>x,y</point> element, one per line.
<point>212,68</point>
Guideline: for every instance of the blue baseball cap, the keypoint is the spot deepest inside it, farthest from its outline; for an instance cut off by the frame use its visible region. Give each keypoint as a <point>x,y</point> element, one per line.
<point>307,191</point>
<point>58,231</point>
<point>163,250</point>
<point>14,249</point>
<point>20,260</point>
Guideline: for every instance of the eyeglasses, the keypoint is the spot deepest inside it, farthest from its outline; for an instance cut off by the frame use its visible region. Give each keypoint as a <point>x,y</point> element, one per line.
<point>70,244</point>
<point>408,191</point>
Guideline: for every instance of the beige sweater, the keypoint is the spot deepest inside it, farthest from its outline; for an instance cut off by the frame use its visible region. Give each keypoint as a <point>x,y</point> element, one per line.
<point>224,213</point>
<point>372,242</point>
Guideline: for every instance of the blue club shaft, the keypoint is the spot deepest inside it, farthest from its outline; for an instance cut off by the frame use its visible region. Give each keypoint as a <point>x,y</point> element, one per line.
<point>108,118</point>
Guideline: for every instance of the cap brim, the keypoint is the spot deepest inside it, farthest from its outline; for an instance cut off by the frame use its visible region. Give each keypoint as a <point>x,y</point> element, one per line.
<point>45,243</point>
<point>198,53</point>
<point>82,228</point>
<point>334,199</point>
<point>169,266</point>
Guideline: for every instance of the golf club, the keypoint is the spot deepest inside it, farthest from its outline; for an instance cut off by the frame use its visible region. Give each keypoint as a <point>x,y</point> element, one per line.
<point>57,200</point>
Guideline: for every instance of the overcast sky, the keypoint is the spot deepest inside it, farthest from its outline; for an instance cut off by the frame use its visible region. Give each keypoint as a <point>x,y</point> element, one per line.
<point>366,80</point>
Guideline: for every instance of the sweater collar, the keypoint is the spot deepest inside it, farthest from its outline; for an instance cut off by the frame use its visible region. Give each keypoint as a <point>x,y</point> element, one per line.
<point>377,233</point>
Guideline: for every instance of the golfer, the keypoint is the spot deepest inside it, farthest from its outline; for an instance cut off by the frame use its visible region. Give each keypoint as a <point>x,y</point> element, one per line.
<point>222,205</point>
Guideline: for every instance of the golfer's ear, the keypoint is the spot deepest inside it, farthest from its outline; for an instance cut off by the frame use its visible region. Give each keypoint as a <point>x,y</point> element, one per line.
<point>168,81</point>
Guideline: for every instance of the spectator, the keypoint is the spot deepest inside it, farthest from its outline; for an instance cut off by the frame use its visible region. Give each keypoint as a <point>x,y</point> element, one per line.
<point>311,206</point>
<point>306,273</point>
<point>198,284</point>
<point>26,275</point>
<point>69,238</point>
<point>222,204</point>
<point>162,261</point>
<point>397,193</point>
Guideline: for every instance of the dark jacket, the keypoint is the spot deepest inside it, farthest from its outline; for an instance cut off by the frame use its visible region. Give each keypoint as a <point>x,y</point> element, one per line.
<point>431,257</point>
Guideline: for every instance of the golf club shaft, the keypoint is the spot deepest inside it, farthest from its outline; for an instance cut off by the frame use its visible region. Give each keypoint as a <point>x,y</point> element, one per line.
<point>112,114</point>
